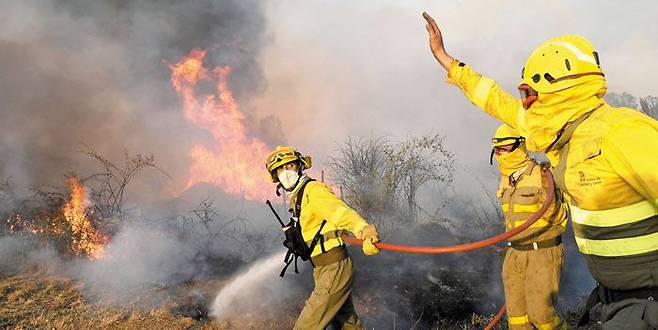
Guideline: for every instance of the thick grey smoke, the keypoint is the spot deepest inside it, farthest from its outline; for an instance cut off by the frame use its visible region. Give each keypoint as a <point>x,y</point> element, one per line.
<point>18,254</point>
<point>139,257</point>
<point>74,72</point>
<point>97,73</point>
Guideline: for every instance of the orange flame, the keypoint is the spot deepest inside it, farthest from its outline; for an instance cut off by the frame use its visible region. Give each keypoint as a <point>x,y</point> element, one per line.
<point>235,162</point>
<point>86,239</point>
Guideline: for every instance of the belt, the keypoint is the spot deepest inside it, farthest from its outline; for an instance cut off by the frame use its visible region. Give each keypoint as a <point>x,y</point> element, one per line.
<point>538,245</point>
<point>327,258</point>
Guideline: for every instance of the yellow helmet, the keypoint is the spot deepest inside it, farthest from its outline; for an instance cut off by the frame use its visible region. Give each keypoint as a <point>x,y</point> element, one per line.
<point>284,155</point>
<point>558,64</point>
<point>505,135</point>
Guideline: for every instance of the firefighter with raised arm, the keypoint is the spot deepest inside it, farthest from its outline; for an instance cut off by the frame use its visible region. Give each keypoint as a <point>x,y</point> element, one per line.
<point>533,262</point>
<point>605,162</point>
<point>321,217</point>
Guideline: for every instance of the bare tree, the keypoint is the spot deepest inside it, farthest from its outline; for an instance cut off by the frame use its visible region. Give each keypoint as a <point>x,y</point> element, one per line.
<point>621,100</point>
<point>109,186</point>
<point>416,162</point>
<point>360,169</point>
<point>649,105</point>
<point>207,225</point>
<point>381,179</point>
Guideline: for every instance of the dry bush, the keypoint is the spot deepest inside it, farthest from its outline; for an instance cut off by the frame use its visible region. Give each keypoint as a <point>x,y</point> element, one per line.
<point>381,179</point>
<point>206,225</point>
<point>647,104</point>
<point>108,187</point>
<point>416,162</point>
<point>360,169</point>
<point>479,214</point>
<point>42,215</point>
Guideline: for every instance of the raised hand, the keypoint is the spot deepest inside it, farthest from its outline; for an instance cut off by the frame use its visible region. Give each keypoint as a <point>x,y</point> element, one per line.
<point>436,42</point>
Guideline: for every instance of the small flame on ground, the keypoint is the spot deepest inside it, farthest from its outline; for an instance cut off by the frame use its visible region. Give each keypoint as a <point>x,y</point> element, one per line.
<point>235,162</point>
<point>13,223</point>
<point>86,239</point>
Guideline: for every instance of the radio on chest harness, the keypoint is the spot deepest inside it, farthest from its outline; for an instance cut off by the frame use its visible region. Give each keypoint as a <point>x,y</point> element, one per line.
<point>293,239</point>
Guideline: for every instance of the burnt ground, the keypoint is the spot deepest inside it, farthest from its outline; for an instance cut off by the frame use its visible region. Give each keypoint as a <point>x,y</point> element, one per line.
<point>35,301</point>
<point>38,301</point>
<point>391,291</point>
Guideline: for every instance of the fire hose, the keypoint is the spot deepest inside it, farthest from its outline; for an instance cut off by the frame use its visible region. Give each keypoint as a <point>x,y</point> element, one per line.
<point>550,196</point>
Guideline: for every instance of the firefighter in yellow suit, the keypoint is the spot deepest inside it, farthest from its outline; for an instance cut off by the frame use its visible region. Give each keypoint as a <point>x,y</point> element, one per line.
<point>605,162</point>
<point>533,262</point>
<point>331,300</point>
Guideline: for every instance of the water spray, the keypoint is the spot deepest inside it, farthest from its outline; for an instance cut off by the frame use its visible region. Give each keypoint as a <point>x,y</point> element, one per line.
<point>240,285</point>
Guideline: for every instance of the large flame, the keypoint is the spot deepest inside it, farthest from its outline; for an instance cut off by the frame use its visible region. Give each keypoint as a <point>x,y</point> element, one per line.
<point>86,239</point>
<point>235,161</point>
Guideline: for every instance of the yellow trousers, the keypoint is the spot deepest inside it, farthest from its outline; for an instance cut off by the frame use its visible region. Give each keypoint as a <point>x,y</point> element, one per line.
<point>331,300</point>
<point>532,280</point>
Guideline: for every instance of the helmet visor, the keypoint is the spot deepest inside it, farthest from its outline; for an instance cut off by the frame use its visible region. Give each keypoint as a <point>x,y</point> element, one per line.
<point>496,142</point>
<point>528,95</point>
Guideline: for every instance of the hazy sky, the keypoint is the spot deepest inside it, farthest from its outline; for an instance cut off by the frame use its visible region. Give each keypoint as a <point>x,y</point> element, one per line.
<point>337,68</point>
<point>74,71</point>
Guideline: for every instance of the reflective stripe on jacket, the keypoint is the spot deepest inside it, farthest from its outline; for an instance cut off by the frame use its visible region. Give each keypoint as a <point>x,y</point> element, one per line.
<point>320,203</point>
<point>608,171</point>
<point>524,196</point>
<point>608,168</point>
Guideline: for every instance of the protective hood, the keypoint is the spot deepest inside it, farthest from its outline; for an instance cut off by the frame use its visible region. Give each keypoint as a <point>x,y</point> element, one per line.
<point>548,115</point>
<point>511,162</point>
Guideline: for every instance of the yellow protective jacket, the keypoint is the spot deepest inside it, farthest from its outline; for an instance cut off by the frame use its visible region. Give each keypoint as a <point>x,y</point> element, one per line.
<point>320,203</point>
<point>521,196</point>
<point>608,170</point>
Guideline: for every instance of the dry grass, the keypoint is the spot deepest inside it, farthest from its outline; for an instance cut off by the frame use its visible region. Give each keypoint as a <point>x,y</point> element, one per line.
<point>36,302</point>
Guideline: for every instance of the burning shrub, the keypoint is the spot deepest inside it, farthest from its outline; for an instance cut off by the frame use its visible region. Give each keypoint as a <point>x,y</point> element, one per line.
<point>86,239</point>
<point>76,219</point>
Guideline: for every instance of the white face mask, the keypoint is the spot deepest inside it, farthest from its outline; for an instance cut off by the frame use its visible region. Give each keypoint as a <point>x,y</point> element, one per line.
<point>288,179</point>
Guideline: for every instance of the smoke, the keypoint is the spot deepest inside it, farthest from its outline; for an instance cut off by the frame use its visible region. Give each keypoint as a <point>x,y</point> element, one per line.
<point>97,73</point>
<point>18,255</point>
<point>139,257</point>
